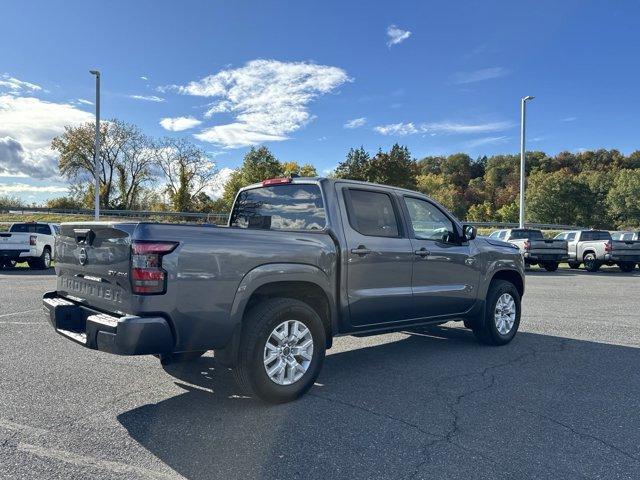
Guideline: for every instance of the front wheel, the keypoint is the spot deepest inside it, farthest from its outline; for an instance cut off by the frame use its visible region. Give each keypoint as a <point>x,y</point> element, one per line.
<point>502,314</point>
<point>591,263</point>
<point>282,349</point>
<point>627,266</point>
<point>550,266</point>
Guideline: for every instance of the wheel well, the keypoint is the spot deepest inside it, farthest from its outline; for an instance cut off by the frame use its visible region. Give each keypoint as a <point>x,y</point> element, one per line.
<point>306,292</point>
<point>510,276</point>
<point>587,252</point>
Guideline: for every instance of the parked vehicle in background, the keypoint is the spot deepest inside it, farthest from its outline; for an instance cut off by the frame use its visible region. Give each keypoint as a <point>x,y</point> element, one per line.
<point>535,249</point>
<point>301,261</point>
<point>498,234</point>
<point>625,235</point>
<point>595,248</point>
<point>32,242</point>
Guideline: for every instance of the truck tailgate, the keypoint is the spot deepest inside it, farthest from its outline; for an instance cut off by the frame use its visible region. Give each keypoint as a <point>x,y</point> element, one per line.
<point>14,241</point>
<point>93,263</point>
<point>548,247</point>
<point>626,249</point>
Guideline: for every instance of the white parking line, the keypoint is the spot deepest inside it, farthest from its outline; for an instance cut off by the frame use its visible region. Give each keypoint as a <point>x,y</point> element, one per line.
<point>19,427</point>
<point>92,462</point>
<point>20,313</point>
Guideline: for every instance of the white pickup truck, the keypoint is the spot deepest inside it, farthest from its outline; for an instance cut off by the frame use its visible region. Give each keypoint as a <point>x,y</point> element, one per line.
<point>32,242</point>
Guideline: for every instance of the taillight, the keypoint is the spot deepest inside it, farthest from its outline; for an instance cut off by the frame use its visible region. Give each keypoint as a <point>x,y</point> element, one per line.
<point>608,246</point>
<point>527,245</point>
<point>32,240</point>
<point>276,181</point>
<point>147,275</point>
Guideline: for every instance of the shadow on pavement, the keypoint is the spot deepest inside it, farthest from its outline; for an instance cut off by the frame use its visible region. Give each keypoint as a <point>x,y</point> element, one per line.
<point>19,270</point>
<point>431,405</point>
<point>603,272</point>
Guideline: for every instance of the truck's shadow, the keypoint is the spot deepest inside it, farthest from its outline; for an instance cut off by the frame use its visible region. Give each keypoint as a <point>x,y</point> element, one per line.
<point>20,270</point>
<point>382,411</point>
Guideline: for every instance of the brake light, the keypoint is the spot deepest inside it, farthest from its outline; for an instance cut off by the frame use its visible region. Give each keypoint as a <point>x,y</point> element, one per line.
<point>276,181</point>
<point>608,246</point>
<point>527,245</point>
<point>147,274</point>
<point>32,239</point>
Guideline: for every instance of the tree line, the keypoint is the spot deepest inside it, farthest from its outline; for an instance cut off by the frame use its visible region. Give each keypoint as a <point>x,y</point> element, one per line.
<point>598,189</point>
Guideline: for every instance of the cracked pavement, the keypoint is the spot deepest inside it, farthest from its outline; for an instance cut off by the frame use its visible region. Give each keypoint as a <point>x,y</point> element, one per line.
<point>561,401</point>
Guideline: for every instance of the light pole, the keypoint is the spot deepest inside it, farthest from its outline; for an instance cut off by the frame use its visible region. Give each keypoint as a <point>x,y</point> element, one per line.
<point>96,158</point>
<point>523,110</point>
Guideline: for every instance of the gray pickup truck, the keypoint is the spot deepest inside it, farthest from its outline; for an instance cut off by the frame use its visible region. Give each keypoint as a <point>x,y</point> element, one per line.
<point>300,262</point>
<point>595,248</point>
<point>536,250</point>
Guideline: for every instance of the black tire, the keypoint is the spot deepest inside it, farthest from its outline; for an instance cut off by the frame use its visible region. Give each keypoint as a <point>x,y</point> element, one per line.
<point>591,263</point>
<point>550,266</point>
<point>574,265</point>
<point>627,266</point>
<point>469,323</point>
<point>487,332</point>
<point>250,372</point>
<point>43,262</point>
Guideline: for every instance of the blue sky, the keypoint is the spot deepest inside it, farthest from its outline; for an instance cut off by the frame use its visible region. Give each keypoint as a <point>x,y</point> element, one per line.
<point>440,77</point>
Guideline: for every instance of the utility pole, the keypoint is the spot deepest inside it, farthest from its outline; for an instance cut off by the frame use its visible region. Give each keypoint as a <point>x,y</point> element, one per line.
<point>96,158</point>
<point>523,111</point>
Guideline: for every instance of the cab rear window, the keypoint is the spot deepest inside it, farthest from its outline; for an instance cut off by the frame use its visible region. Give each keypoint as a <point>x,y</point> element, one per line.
<point>280,207</point>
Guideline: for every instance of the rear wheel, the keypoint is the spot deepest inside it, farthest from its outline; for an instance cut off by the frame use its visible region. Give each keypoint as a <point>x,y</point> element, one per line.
<point>282,349</point>
<point>502,314</point>
<point>574,265</point>
<point>626,266</point>
<point>550,266</point>
<point>43,262</point>
<point>591,264</point>
<point>7,263</point>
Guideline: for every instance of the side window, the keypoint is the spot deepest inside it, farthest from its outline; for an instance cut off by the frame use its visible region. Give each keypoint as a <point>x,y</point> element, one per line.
<point>586,236</point>
<point>43,229</point>
<point>427,220</point>
<point>371,213</point>
<point>502,234</point>
<point>571,237</point>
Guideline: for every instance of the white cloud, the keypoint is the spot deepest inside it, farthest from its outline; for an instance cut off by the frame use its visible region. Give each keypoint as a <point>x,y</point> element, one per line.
<point>396,35</point>
<point>142,77</point>
<point>569,119</point>
<point>479,142</point>
<point>11,188</point>
<point>178,124</point>
<point>84,102</point>
<point>148,98</point>
<point>462,78</point>
<point>15,86</point>
<point>27,126</point>
<point>355,123</point>
<point>269,99</point>
<point>217,188</point>
<point>436,128</point>
<point>398,129</point>
<point>454,127</point>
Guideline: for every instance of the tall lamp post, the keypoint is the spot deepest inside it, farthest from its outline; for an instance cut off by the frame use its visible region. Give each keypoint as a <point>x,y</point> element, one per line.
<point>96,158</point>
<point>523,111</point>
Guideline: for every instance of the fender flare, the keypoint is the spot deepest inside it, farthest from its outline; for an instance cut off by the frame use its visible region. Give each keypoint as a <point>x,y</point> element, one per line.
<point>282,272</point>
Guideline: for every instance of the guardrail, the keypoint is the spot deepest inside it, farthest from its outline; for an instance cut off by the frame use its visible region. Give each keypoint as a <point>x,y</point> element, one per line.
<point>221,218</point>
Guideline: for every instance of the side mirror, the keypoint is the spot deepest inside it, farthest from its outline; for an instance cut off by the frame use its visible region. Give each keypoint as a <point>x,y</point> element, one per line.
<point>469,232</point>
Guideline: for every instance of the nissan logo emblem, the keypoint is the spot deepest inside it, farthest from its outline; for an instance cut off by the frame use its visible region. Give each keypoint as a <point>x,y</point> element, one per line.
<point>83,256</point>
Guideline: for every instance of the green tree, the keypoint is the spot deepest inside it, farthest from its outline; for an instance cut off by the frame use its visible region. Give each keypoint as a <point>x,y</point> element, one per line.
<point>395,168</point>
<point>481,212</point>
<point>293,168</point>
<point>357,165</point>
<point>623,199</point>
<point>259,164</point>
<point>558,197</point>
<point>66,203</point>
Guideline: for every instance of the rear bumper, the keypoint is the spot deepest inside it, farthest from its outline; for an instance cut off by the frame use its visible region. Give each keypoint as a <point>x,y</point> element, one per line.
<point>624,258</point>
<point>545,257</point>
<point>128,335</point>
<point>14,254</point>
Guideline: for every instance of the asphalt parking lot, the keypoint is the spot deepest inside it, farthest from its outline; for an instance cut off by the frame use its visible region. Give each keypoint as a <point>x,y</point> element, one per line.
<point>561,401</point>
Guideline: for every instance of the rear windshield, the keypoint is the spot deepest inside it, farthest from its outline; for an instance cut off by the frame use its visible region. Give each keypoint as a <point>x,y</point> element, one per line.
<point>530,234</point>
<point>280,207</point>
<point>595,235</point>
<point>30,228</point>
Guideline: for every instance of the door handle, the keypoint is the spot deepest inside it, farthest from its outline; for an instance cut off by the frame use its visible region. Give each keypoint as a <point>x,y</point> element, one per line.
<point>423,252</point>
<point>361,250</point>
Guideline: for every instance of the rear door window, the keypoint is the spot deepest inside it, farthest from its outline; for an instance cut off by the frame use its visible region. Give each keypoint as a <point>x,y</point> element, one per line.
<point>280,207</point>
<point>371,213</point>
